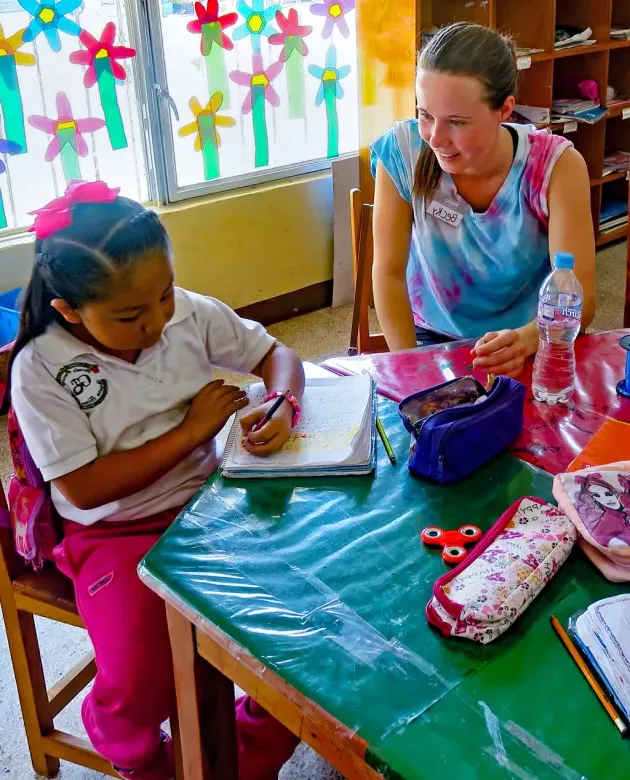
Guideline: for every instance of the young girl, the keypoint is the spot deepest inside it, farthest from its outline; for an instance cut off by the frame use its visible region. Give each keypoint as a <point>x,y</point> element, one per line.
<point>468,208</point>
<point>111,383</point>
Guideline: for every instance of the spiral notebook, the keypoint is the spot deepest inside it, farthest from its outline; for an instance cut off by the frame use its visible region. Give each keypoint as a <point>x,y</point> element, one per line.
<point>335,435</point>
<point>603,635</point>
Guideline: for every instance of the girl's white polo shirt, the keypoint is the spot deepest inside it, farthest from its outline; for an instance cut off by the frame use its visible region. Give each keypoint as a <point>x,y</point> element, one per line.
<point>75,403</point>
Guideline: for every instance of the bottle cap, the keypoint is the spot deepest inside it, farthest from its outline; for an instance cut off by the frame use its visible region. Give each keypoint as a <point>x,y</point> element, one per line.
<point>563,260</point>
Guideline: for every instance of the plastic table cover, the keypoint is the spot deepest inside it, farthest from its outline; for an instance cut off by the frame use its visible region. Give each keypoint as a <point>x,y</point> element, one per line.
<point>552,435</point>
<point>325,581</point>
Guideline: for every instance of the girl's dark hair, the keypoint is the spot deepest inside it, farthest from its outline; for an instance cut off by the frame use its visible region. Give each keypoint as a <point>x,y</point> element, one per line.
<point>465,49</point>
<point>80,262</point>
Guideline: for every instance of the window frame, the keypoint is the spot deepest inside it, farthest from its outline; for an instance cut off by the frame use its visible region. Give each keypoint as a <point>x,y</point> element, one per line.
<point>148,19</point>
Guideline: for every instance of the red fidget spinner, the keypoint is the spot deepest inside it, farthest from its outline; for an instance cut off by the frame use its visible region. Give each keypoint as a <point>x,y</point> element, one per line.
<point>453,543</point>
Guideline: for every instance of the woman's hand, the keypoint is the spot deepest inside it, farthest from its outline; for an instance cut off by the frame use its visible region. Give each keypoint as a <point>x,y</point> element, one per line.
<point>273,434</point>
<point>501,353</point>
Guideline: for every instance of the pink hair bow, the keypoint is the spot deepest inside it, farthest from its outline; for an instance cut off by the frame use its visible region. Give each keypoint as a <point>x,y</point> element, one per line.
<point>57,215</point>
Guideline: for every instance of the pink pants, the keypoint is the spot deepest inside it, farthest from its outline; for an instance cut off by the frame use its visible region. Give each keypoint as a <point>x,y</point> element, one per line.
<point>133,691</point>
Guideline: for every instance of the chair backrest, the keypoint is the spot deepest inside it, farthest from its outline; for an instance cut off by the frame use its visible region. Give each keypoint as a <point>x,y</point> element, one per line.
<point>361,340</point>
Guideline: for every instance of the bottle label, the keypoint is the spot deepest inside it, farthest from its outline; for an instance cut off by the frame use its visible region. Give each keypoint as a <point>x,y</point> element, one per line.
<point>550,313</point>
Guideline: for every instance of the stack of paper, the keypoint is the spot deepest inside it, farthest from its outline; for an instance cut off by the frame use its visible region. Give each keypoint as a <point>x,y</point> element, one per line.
<point>603,635</point>
<point>335,436</point>
<point>620,33</point>
<point>613,214</point>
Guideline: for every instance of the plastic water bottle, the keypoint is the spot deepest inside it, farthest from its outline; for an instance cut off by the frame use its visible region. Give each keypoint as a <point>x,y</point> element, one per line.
<point>559,317</point>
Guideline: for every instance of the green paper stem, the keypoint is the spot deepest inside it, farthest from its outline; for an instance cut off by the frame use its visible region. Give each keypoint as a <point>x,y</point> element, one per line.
<point>109,102</point>
<point>68,154</point>
<point>209,150</point>
<point>333,122</point>
<point>3,216</point>
<point>11,103</point>
<point>216,73</point>
<point>261,139</point>
<point>295,85</point>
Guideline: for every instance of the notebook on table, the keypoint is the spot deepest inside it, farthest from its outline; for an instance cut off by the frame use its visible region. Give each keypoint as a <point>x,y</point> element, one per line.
<point>335,435</point>
<point>611,444</point>
<point>603,635</point>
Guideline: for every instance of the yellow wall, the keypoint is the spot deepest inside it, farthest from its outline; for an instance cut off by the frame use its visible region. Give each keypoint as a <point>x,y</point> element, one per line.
<point>250,245</point>
<point>243,247</point>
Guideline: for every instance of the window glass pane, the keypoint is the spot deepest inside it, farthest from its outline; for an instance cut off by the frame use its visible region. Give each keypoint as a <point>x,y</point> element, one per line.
<point>259,84</point>
<point>66,115</point>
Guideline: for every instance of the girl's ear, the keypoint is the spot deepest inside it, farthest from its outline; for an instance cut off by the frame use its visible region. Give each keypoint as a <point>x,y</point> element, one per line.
<point>67,312</point>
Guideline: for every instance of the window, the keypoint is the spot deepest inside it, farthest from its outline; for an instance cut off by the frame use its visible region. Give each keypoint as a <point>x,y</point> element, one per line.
<point>66,115</point>
<point>170,99</point>
<point>255,86</point>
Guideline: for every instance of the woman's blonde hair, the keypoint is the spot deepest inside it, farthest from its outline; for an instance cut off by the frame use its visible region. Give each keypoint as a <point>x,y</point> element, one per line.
<point>465,49</point>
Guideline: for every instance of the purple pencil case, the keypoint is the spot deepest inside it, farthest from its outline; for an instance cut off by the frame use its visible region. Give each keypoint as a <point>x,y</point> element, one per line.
<point>459,426</point>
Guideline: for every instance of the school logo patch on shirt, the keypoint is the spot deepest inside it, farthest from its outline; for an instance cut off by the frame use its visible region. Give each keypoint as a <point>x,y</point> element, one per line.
<point>82,380</point>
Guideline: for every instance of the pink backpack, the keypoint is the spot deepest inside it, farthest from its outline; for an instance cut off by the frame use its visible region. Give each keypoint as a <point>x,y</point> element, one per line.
<point>34,519</point>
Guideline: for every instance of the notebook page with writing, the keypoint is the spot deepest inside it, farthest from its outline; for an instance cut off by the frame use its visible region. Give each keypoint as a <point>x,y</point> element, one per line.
<point>334,432</point>
<point>603,631</point>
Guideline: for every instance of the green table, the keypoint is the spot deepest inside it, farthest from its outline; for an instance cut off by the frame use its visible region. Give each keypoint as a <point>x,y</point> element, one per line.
<point>323,583</point>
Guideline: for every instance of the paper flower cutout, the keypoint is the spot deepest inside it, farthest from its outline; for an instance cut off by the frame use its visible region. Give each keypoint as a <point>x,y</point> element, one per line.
<point>330,76</point>
<point>260,78</point>
<point>210,16</point>
<point>101,49</point>
<point>334,11</point>
<point>67,136</point>
<point>205,128</point>
<point>257,19</point>
<point>330,91</point>
<point>9,46</point>
<point>292,35</point>
<point>209,110</point>
<point>50,17</point>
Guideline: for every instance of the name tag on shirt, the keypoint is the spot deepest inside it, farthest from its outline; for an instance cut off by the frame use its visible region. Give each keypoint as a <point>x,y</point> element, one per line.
<point>450,212</point>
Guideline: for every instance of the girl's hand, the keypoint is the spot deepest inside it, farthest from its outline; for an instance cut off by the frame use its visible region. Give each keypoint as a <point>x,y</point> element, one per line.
<point>501,353</point>
<point>273,434</point>
<point>211,408</point>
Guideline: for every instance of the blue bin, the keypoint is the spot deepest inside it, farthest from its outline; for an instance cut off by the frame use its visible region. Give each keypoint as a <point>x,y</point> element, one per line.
<point>9,316</point>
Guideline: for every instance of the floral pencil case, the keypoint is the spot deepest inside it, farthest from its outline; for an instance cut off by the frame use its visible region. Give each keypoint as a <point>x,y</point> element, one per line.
<point>481,597</point>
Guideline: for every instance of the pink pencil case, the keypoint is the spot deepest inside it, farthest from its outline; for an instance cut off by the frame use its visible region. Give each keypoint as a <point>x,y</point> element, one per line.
<point>482,596</point>
<point>597,501</point>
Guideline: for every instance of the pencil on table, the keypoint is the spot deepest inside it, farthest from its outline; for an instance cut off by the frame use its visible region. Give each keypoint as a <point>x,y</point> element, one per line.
<point>581,664</point>
<point>385,440</point>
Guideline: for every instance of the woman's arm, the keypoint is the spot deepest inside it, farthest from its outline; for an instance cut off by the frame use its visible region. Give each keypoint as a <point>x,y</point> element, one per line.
<point>570,230</point>
<point>571,223</point>
<point>392,223</point>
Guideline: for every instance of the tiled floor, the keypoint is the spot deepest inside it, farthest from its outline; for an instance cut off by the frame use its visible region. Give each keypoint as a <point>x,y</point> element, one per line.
<point>315,336</point>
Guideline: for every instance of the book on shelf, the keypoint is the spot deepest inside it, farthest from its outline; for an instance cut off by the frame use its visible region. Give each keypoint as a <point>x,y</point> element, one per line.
<point>620,33</point>
<point>525,52</point>
<point>616,162</point>
<point>589,116</point>
<point>534,114</point>
<point>572,105</point>
<point>567,36</point>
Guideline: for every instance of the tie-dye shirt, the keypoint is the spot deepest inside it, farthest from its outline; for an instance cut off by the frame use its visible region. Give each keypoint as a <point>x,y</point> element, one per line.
<point>485,273</point>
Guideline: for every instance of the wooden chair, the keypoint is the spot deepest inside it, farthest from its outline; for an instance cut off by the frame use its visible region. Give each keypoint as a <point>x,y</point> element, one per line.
<point>361,340</point>
<point>23,594</point>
